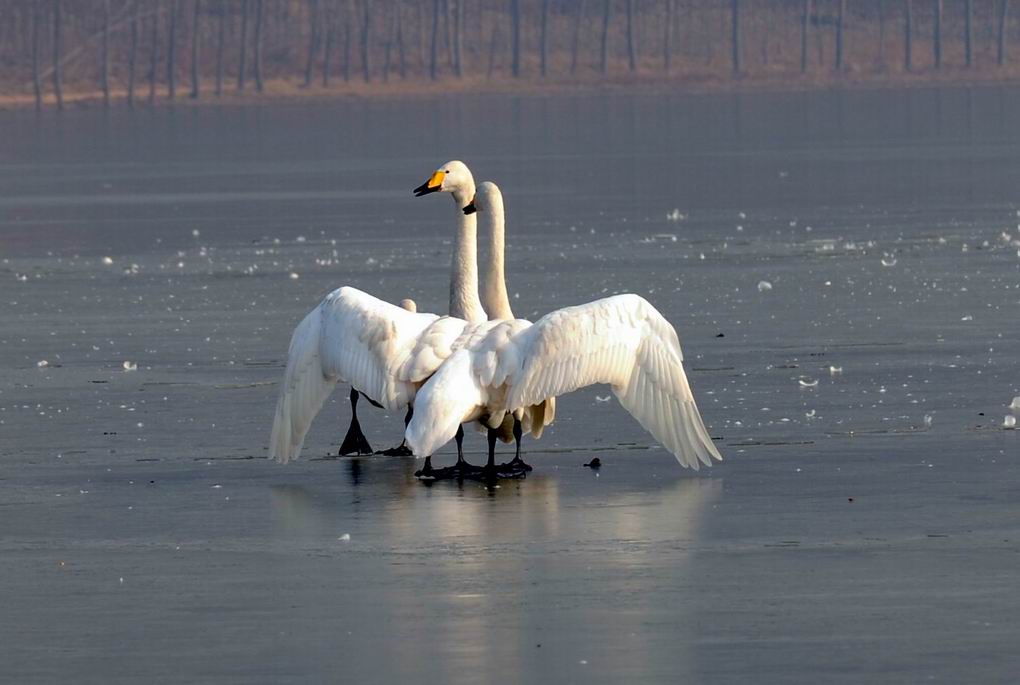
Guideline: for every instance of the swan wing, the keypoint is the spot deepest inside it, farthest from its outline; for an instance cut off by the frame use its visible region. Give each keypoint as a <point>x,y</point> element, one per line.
<point>625,342</point>
<point>351,336</point>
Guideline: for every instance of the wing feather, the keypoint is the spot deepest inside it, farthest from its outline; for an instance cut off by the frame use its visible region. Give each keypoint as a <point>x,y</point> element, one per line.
<point>625,342</point>
<point>354,337</point>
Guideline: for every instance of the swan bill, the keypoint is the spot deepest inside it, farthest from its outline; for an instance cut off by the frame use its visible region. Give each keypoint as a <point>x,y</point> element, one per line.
<point>433,185</point>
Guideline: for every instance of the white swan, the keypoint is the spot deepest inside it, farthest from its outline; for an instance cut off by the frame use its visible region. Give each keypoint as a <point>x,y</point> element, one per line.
<point>384,351</point>
<point>509,365</point>
<point>488,202</point>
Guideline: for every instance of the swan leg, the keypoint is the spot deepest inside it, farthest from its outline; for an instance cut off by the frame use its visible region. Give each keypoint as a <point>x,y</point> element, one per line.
<point>401,450</point>
<point>459,471</point>
<point>355,441</point>
<point>516,465</point>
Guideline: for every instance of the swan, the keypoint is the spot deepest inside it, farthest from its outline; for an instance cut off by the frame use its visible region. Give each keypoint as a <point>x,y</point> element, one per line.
<point>506,366</point>
<point>355,441</point>
<point>488,202</point>
<point>384,351</point>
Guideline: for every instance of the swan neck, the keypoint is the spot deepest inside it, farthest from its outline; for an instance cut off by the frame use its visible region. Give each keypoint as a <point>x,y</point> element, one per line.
<point>494,295</point>
<point>464,302</point>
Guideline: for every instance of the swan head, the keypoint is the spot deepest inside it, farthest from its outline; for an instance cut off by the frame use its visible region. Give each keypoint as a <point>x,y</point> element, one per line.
<point>488,198</point>
<point>453,177</point>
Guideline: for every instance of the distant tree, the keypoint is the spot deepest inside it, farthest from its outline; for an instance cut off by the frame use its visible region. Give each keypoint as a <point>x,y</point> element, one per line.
<point>36,78</point>
<point>221,30</point>
<point>366,40</point>
<point>968,18</point>
<point>606,11</point>
<point>196,27</point>
<point>667,38</point>
<point>242,64</point>
<point>104,60</point>
<point>1003,21</point>
<point>171,51</point>
<point>259,11</point>
<point>908,34</point>
<point>133,51</point>
<point>57,46</point>
<point>515,37</point>
<point>313,39</point>
<point>937,35</point>
<point>631,47</point>
<point>805,26</point>
<point>578,20</point>
<point>840,20</point>
<point>154,51</point>
<point>544,42</point>
<point>735,43</point>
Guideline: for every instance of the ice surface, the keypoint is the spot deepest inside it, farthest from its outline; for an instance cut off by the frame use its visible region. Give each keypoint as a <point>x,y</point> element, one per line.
<point>760,569</point>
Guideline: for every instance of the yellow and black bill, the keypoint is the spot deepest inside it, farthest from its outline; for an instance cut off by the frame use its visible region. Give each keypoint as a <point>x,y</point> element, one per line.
<point>433,185</point>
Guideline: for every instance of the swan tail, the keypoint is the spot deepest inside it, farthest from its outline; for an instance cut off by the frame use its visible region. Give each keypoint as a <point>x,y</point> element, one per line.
<point>304,390</point>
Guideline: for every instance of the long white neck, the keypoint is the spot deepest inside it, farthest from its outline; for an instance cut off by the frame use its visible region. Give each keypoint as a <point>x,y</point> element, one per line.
<point>464,302</point>
<point>494,297</point>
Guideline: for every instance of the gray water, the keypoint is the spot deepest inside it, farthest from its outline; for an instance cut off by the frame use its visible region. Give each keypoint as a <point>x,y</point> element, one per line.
<point>864,526</point>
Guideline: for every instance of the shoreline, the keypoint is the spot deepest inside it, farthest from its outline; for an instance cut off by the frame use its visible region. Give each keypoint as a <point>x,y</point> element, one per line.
<point>280,91</point>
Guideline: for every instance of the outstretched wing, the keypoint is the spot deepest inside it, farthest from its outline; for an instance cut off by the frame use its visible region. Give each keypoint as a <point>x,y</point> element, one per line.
<point>625,342</point>
<point>351,336</point>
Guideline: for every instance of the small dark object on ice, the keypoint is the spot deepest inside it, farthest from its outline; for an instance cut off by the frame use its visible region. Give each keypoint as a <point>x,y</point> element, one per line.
<point>720,335</point>
<point>594,463</point>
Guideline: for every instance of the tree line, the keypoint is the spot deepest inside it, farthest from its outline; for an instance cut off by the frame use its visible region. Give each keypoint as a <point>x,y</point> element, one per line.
<point>141,50</point>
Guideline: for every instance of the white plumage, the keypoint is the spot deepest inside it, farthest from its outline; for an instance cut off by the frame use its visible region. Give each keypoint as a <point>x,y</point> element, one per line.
<point>622,341</point>
<point>381,349</point>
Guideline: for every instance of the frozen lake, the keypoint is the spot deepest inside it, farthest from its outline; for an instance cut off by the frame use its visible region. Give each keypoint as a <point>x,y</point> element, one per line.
<point>844,272</point>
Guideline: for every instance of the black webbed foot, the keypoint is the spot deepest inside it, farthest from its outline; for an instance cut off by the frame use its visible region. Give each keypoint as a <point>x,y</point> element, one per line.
<point>401,450</point>
<point>514,465</point>
<point>355,442</point>
<point>458,471</point>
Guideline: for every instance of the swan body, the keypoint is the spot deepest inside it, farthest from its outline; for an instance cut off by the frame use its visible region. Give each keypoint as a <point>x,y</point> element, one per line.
<point>622,341</point>
<point>383,350</point>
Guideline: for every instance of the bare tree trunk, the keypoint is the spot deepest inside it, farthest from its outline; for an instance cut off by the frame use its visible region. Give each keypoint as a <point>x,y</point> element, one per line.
<point>133,52</point>
<point>104,71</point>
<point>327,52</point>
<point>242,58</point>
<point>388,46</point>
<point>221,32</point>
<point>259,12</point>
<point>543,54</point>
<point>56,54</point>
<point>419,6</point>
<point>399,10</point>
<point>1003,21</point>
<point>348,21</point>
<point>631,48</point>
<point>578,20</point>
<point>154,51</point>
<point>458,37</point>
<point>805,27</point>
<point>36,80</point>
<point>667,39</point>
<point>606,10</point>
<point>196,27</point>
<point>968,21</point>
<point>881,32</point>
<point>840,20</point>
<point>515,36</point>
<point>171,51</point>
<point>313,39</point>
<point>937,35</point>
<point>434,57</point>
<point>447,40</point>
<point>366,37</point>
<point>492,48</point>
<point>735,42</point>
<point>908,34</point>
